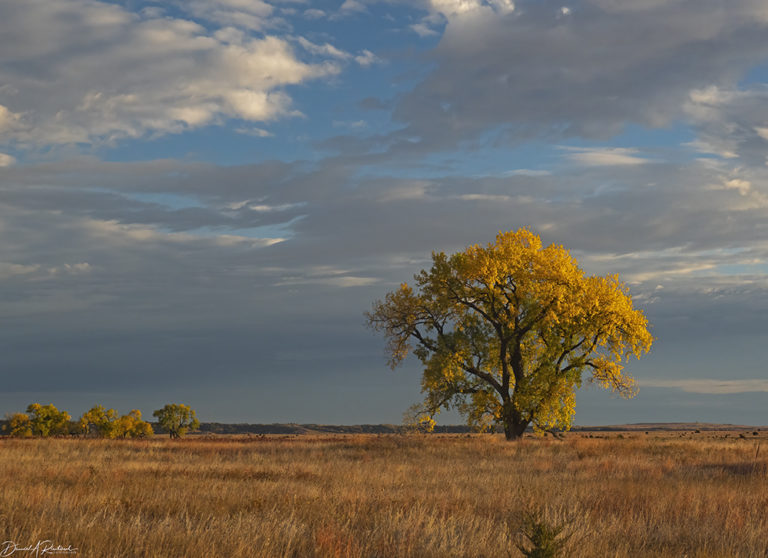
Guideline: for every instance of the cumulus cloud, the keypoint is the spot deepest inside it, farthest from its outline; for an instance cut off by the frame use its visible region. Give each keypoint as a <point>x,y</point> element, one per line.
<point>138,75</point>
<point>453,8</point>
<point>537,74</point>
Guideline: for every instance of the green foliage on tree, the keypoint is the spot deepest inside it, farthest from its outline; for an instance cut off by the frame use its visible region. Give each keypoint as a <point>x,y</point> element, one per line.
<point>47,420</point>
<point>177,419</point>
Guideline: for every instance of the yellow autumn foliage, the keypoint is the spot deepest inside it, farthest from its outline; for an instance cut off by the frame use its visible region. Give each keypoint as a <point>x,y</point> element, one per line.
<point>506,331</point>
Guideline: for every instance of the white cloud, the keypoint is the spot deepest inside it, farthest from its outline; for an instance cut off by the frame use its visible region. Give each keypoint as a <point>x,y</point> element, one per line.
<point>605,157</point>
<point>8,120</point>
<point>674,270</point>
<point>326,49</point>
<point>408,190</point>
<point>352,6</point>
<point>762,132</point>
<point>730,122</point>
<point>6,160</point>
<point>248,14</point>
<point>742,186</point>
<point>341,282</point>
<point>589,76</point>
<point>255,132</point>
<point>8,269</point>
<point>367,58</point>
<point>352,125</point>
<point>138,76</point>
<point>455,7</point>
<point>707,386</point>
<point>494,198</point>
<point>528,172</point>
<point>423,30</point>
<point>313,13</point>
<point>121,234</point>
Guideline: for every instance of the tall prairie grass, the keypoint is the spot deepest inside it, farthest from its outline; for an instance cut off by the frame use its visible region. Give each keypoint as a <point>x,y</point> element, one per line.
<point>385,496</point>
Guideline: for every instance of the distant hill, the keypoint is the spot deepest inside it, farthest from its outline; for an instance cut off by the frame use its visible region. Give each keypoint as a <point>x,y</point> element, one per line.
<point>665,426</point>
<point>292,428</point>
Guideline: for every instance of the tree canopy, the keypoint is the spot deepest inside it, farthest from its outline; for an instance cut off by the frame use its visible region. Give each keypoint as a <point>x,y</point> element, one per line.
<point>177,419</point>
<point>107,424</point>
<point>47,420</point>
<point>506,331</point>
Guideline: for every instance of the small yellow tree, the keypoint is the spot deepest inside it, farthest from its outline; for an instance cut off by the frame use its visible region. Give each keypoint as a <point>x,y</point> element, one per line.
<point>131,426</point>
<point>99,421</point>
<point>506,331</point>
<point>18,425</point>
<point>107,424</point>
<point>47,420</point>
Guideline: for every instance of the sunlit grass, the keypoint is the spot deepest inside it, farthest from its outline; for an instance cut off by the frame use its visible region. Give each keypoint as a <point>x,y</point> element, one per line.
<point>382,496</point>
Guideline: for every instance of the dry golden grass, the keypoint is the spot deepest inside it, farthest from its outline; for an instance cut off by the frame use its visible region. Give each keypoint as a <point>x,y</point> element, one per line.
<point>386,496</point>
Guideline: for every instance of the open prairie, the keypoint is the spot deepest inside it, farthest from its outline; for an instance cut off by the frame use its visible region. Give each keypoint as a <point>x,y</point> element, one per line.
<point>635,494</point>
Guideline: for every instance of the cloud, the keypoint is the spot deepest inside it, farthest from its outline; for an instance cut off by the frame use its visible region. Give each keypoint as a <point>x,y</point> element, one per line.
<point>248,14</point>
<point>341,282</point>
<point>367,58</point>
<point>708,386</point>
<point>255,132</point>
<point>537,74</point>
<point>730,122</point>
<point>138,75</point>
<point>353,6</point>
<point>454,8</point>
<point>207,265</point>
<point>528,172</point>
<point>314,13</point>
<point>423,30</point>
<point>6,160</point>
<point>326,49</point>
<point>605,157</point>
<point>354,125</point>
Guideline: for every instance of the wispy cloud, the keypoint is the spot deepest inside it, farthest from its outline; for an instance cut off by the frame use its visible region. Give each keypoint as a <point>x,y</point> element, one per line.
<point>707,386</point>
<point>605,157</point>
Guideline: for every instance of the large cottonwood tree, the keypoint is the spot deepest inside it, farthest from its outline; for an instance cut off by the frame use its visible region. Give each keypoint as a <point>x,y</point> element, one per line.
<point>506,332</point>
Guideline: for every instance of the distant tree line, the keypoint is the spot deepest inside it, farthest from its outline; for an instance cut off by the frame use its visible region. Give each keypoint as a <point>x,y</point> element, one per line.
<point>43,421</point>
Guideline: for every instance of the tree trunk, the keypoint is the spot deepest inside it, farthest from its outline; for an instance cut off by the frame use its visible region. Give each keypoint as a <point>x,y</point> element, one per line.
<point>514,424</point>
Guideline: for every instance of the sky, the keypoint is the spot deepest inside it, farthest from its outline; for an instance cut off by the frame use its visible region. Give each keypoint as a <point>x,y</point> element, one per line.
<point>199,199</point>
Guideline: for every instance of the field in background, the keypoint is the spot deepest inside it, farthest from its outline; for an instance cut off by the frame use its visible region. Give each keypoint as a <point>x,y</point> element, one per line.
<point>632,494</point>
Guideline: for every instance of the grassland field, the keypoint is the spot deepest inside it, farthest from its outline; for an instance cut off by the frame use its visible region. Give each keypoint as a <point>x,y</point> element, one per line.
<point>632,494</point>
